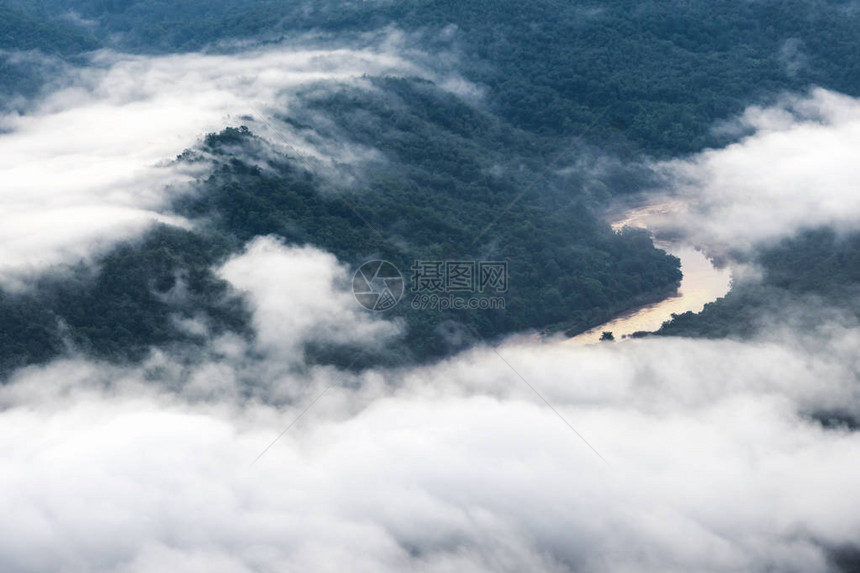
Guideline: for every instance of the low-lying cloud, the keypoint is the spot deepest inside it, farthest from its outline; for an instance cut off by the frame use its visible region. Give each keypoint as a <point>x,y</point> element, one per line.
<point>714,465</point>
<point>300,295</point>
<point>797,169</point>
<point>716,460</point>
<point>87,165</point>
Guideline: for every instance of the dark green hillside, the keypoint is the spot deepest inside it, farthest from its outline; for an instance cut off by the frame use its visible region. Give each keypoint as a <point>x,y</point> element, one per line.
<point>648,75</point>
<point>25,30</point>
<point>449,173</point>
<point>453,180</point>
<point>132,300</point>
<point>452,183</point>
<point>662,72</point>
<point>22,31</point>
<point>811,277</point>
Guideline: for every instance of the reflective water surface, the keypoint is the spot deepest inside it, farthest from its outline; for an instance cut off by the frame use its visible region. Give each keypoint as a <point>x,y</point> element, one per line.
<point>702,282</point>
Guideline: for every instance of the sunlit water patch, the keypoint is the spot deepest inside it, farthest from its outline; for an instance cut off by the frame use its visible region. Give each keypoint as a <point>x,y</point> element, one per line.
<point>702,282</point>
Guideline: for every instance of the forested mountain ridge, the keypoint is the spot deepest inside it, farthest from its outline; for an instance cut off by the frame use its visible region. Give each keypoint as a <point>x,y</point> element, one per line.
<point>437,195</point>
<point>806,280</point>
<point>559,79</point>
<point>646,76</point>
<point>433,199</point>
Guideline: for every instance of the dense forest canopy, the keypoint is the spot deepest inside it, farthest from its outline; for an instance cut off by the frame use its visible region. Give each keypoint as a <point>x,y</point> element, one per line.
<point>650,76</point>
<point>433,198</point>
<point>820,268</point>
<point>635,79</point>
<point>198,198</point>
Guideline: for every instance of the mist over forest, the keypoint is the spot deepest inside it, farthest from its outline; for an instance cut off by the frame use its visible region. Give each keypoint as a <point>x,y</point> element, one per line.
<point>318,285</point>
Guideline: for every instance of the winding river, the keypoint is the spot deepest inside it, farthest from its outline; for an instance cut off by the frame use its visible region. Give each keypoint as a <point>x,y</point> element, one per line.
<point>702,282</point>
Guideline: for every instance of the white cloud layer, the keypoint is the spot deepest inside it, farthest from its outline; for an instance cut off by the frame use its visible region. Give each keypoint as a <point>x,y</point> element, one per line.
<point>798,169</point>
<point>85,167</point>
<point>300,295</point>
<point>714,462</point>
<point>454,467</point>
